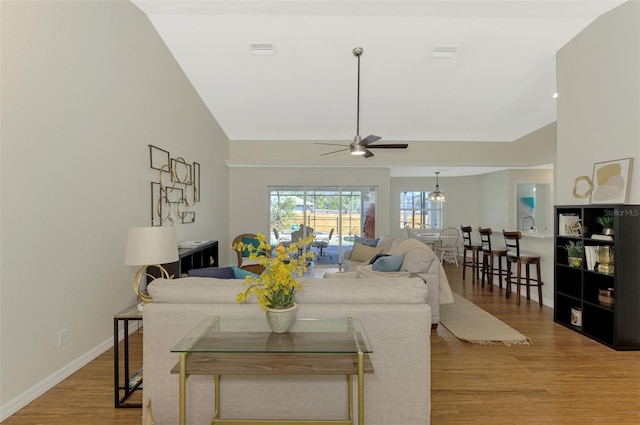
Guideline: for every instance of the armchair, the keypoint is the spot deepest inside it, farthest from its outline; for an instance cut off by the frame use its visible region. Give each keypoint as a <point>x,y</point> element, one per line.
<point>244,262</point>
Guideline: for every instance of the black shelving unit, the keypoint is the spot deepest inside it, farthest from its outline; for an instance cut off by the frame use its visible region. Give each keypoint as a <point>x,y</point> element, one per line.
<point>576,288</point>
<point>204,255</point>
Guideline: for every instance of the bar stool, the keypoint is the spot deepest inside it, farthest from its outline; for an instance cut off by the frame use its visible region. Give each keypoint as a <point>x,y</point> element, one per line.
<point>514,255</point>
<point>475,249</point>
<point>489,253</point>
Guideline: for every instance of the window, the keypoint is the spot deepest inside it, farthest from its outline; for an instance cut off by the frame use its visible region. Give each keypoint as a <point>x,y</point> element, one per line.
<point>347,211</point>
<point>416,211</point>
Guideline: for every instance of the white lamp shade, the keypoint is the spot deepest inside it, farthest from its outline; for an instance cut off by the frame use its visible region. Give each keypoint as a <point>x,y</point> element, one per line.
<point>151,245</point>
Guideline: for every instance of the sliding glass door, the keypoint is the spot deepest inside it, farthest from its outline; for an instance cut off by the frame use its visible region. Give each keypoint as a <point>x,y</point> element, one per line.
<point>334,214</point>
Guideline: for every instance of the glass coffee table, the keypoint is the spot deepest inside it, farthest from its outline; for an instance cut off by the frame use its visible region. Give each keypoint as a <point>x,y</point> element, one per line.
<point>223,346</point>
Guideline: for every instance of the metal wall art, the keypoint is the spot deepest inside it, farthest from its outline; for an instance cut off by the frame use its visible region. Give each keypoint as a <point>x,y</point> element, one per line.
<point>177,190</point>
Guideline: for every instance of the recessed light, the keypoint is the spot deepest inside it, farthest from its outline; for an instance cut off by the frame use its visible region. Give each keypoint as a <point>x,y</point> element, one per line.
<point>262,48</point>
<point>555,95</point>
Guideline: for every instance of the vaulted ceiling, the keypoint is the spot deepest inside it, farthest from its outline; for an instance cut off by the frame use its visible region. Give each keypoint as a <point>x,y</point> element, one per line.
<point>498,85</point>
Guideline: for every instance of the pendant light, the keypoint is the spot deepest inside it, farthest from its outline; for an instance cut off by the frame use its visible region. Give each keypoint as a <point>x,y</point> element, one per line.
<point>437,195</point>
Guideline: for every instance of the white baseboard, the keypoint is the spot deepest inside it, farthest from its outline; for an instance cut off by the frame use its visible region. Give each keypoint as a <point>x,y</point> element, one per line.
<point>45,385</point>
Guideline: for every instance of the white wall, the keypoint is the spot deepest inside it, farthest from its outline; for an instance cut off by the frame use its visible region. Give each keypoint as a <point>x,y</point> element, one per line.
<point>599,99</point>
<point>86,86</point>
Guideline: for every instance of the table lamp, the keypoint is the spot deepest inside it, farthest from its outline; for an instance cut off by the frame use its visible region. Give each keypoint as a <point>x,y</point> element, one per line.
<point>150,246</point>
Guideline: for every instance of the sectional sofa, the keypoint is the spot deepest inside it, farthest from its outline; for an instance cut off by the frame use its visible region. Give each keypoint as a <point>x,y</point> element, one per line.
<point>418,259</point>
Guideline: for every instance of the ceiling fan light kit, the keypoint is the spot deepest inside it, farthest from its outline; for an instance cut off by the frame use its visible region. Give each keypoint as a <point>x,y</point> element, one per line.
<point>360,146</point>
<point>357,149</point>
<point>437,195</point>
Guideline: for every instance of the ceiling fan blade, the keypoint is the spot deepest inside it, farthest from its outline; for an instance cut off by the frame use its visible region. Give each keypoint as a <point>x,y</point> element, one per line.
<point>369,139</point>
<point>329,144</point>
<point>368,154</point>
<point>390,146</point>
<point>340,150</point>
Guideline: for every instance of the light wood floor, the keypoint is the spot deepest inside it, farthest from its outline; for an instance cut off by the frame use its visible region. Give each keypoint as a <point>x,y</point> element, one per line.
<point>563,378</point>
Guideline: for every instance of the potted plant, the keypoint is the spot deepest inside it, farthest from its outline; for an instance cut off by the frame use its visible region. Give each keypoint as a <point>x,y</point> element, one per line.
<point>276,286</point>
<point>607,224</point>
<point>574,253</point>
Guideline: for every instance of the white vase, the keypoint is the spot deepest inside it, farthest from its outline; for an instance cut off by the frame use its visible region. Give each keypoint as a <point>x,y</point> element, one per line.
<point>281,320</point>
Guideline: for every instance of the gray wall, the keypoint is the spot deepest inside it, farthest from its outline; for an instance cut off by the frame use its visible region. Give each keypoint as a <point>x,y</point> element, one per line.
<point>86,86</point>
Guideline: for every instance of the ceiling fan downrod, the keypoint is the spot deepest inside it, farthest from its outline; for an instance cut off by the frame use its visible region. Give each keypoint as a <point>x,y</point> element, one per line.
<point>357,52</point>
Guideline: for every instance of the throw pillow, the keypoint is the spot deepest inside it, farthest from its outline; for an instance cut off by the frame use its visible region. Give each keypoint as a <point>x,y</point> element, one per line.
<point>338,275</point>
<point>386,243</point>
<point>362,253</point>
<point>250,241</point>
<point>375,258</point>
<point>216,272</point>
<point>239,273</point>
<point>389,263</point>
<point>366,241</point>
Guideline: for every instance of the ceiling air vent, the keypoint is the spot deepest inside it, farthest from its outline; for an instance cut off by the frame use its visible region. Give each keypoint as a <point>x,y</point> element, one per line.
<point>444,51</point>
<point>262,49</point>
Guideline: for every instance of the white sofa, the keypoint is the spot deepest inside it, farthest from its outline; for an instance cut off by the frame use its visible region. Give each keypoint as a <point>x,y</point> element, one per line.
<point>418,259</point>
<point>396,318</point>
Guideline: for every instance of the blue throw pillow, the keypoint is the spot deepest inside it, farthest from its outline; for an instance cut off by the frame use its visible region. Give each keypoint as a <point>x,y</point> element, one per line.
<point>241,273</point>
<point>390,263</point>
<point>217,272</point>
<point>375,258</point>
<point>366,241</point>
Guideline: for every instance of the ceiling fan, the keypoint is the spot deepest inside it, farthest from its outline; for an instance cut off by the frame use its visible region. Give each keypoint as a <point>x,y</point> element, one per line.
<point>361,146</point>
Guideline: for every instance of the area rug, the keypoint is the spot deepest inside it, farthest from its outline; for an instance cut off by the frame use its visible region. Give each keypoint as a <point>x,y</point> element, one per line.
<point>472,324</point>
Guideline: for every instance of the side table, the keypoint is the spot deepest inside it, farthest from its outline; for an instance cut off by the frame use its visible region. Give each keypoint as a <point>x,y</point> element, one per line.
<point>133,382</point>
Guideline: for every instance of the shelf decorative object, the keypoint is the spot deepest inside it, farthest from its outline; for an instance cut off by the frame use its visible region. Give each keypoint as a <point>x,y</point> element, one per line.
<point>607,224</point>
<point>605,259</point>
<point>276,286</point>
<point>605,297</point>
<point>574,252</point>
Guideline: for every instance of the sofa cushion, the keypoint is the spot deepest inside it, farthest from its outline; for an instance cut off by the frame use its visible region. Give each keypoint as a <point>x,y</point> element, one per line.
<point>388,263</point>
<point>217,272</point>
<point>367,272</point>
<point>376,290</point>
<point>363,253</point>
<point>196,290</point>
<point>338,275</point>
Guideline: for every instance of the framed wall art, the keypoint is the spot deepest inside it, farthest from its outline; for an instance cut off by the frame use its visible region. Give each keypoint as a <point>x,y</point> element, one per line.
<point>612,181</point>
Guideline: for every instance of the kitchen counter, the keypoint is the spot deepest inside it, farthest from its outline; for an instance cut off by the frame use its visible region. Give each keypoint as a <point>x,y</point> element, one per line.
<point>537,235</point>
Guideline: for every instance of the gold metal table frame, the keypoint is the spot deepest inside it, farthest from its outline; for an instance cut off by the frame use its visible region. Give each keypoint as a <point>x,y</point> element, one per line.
<point>224,351</point>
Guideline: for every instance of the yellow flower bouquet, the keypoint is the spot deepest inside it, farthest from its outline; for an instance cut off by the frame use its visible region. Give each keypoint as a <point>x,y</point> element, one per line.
<point>276,286</point>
